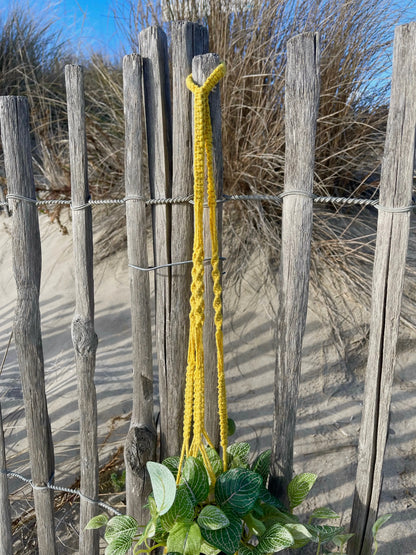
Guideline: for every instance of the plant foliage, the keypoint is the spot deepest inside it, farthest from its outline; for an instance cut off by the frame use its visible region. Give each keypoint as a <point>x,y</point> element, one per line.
<point>237,514</point>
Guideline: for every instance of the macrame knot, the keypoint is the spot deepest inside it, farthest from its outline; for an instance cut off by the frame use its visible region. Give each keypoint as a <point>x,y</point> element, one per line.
<point>209,84</point>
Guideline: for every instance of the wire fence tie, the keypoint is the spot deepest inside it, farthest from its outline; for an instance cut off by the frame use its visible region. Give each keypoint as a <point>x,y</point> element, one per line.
<point>392,210</point>
<point>152,268</point>
<point>134,198</point>
<point>80,207</point>
<point>14,196</point>
<point>296,192</point>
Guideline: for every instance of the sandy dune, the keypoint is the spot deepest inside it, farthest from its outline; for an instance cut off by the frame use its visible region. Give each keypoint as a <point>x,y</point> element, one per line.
<point>330,398</point>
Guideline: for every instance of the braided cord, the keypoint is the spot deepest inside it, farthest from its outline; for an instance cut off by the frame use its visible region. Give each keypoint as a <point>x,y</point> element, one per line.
<point>194,411</point>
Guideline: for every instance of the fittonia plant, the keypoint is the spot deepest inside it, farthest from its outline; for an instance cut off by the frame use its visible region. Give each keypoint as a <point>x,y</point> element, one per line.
<point>235,515</point>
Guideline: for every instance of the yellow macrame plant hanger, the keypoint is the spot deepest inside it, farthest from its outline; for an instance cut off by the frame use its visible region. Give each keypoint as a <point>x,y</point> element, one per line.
<point>194,431</point>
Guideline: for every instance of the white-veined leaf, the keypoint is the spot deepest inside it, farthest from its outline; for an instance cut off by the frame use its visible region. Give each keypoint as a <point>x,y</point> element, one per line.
<point>212,518</point>
<point>299,488</point>
<point>324,513</point>
<point>120,526</point>
<point>97,522</point>
<point>238,489</point>
<point>275,539</point>
<point>163,485</point>
<point>119,546</point>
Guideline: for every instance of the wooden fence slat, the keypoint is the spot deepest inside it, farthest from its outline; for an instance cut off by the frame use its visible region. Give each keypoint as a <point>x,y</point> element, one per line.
<point>83,335</point>
<point>188,40</point>
<point>154,52</point>
<point>5,516</point>
<point>202,67</point>
<point>140,443</point>
<point>301,111</point>
<point>388,274</point>
<point>14,116</point>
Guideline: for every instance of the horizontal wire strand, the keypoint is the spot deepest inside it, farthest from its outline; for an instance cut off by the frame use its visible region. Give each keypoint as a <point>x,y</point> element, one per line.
<point>226,198</point>
<point>63,489</point>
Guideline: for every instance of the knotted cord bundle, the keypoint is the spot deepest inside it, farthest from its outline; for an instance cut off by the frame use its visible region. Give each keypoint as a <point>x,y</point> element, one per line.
<point>194,412</point>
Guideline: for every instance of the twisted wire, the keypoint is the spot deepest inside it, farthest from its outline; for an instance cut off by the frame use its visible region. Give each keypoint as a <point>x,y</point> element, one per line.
<point>350,201</point>
<point>63,489</point>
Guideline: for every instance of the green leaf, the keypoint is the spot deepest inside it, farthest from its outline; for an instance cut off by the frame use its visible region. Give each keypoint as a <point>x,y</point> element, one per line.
<point>181,510</point>
<point>119,546</point>
<point>275,539</point>
<point>215,460</point>
<point>261,465</point>
<point>270,499</point>
<point>299,488</point>
<point>159,532</point>
<point>341,539</point>
<point>255,525</point>
<point>173,464</point>
<point>193,540</point>
<point>324,534</point>
<point>225,539</point>
<point>238,489</point>
<point>239,451</point>
<point>212,518</point>
<point>323,513</point>
<point>379,523</point>
<point>208,549</point>
<point>195,477</point>
<point>184,538</point>
<point>97,522</point>
<point>300,534</point>
<point>163,484</point>
<point>120,526</point>
<point>231,426</point>
<point>258,510</point>
<point>177,537</point>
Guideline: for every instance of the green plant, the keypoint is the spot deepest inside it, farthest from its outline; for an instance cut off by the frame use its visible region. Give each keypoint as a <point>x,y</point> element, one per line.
<point>118,480</point>
<point>376,527</point>
<point>235,515</point>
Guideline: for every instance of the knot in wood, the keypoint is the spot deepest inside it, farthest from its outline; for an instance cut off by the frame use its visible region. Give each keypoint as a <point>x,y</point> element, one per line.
<point>84,338</point>
<point>139,448</point>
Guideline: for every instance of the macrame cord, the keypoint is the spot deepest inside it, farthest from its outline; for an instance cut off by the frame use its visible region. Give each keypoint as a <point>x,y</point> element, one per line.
<point>194,411</point>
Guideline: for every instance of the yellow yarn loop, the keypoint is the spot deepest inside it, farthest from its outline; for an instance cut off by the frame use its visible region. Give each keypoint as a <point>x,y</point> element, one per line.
<point>194,390</point>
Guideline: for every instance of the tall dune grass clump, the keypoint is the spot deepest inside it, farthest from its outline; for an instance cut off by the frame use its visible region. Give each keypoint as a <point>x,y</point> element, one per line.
<point>33,55</point>
<point>251,36</point>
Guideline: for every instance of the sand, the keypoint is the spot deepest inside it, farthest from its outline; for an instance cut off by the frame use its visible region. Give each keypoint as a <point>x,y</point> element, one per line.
<point>330,401</point>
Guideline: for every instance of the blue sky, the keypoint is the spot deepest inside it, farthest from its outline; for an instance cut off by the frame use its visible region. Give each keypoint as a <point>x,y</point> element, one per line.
<point>91,24</point>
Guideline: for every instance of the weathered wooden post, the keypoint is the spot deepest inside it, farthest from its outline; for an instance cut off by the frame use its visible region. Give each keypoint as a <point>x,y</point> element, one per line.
<point>388,274</point>
<point>301,111</point>
<point>5,517</point>
<point>202,67</point>
<point>14,117</point>
<point>83,335</point>
<point>188,40</point>
<point>141,439</point>
<point>154,52</point>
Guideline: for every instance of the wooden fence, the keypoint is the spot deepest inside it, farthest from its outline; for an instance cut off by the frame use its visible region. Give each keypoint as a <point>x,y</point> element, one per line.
<point>147,103</point>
